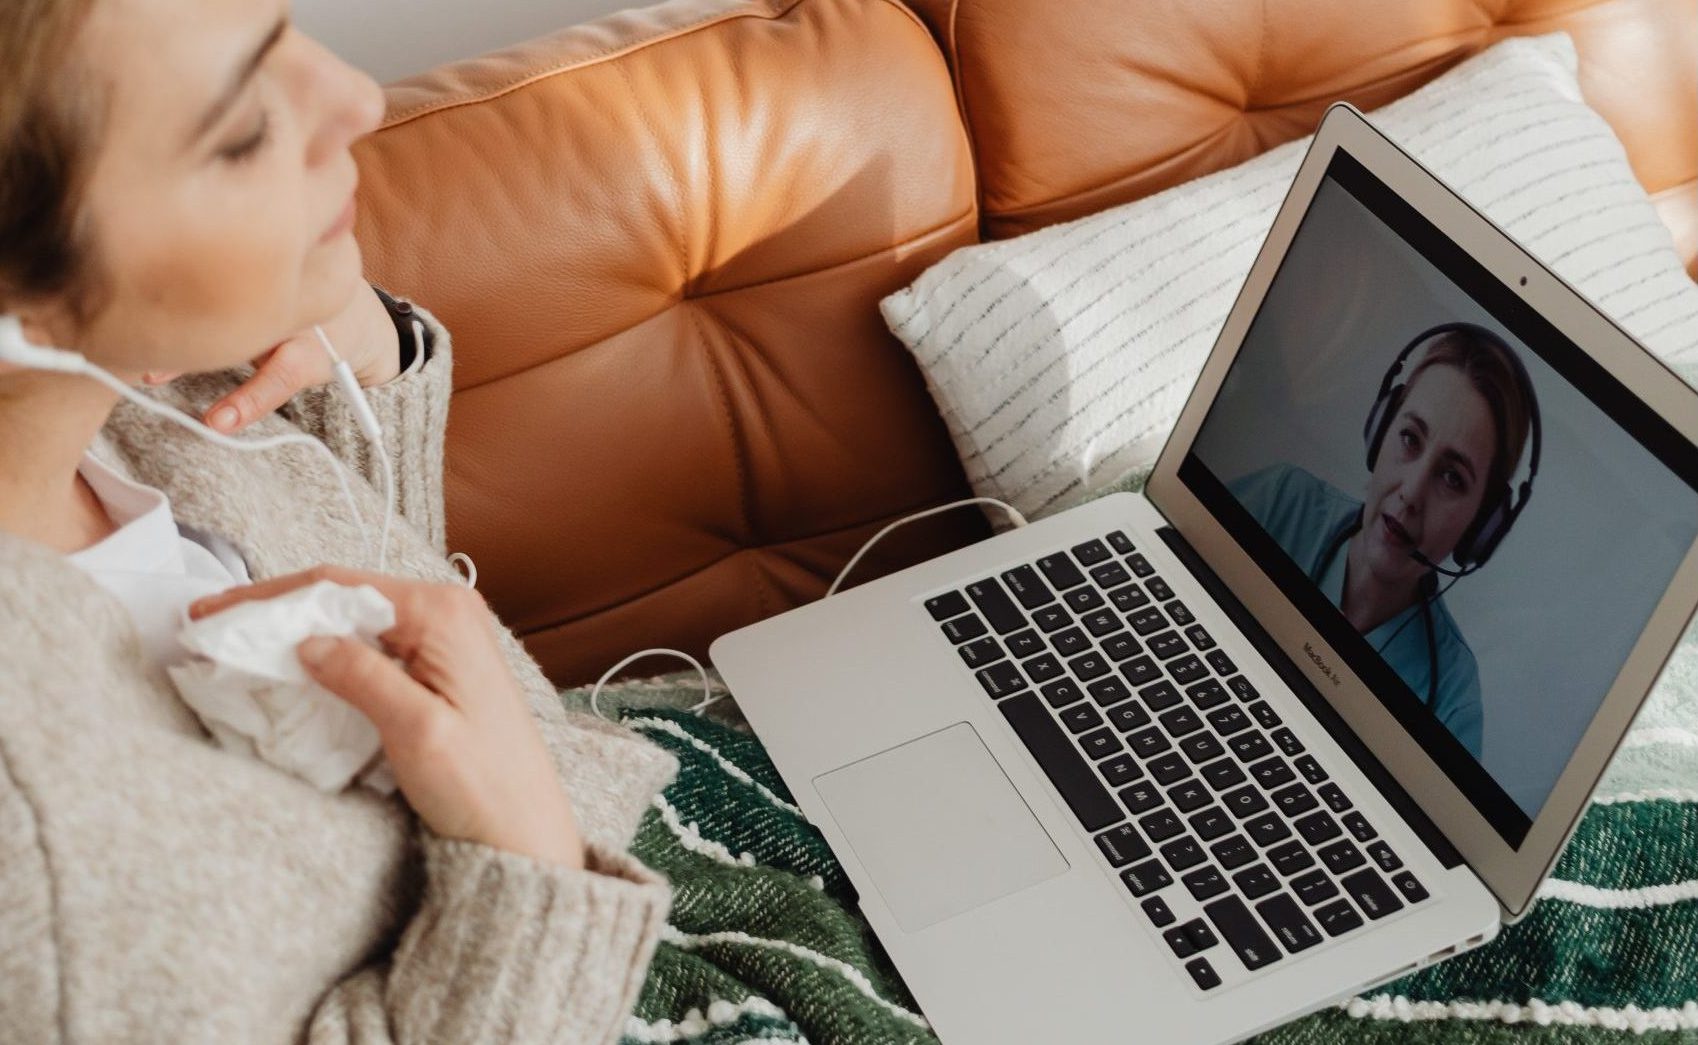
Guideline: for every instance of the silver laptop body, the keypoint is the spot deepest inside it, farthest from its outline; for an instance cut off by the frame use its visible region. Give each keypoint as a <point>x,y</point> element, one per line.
<point>1240,811</point>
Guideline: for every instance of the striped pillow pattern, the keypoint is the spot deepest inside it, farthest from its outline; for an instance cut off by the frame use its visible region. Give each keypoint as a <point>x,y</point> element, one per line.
<point>1061,359</point>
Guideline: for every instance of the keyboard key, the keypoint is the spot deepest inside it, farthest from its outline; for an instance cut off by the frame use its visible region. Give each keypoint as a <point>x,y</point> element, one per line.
<point>1182,853</point>
<point>1267,829</point>
<point>1062,693</point>
<point>1101,622</point>
<point>1338,918</point>
<point>1206,694</point>
<point>1187,669</point>
<point>1069,642</point>
<point>1157,911</point>
<point>1223,774</point>
<point>1244,801</point>
<point>1061,762</point>
<point>1314,887</point>
<point>1140,565</point>
<point>1180,613</point>
<point>1128,716</point>
<point>996,606</point>
<point>1180,942</point>
<point>1157,588</point>
<point>1042,669</point>
<point>1241,686</point>
<point>1161,825</point>
<point>1341,856</point>
<point>1140,797</point>
<point>1060,571</point>
<point>1250,747</point>
<point>1211,823</point>
<point>1120,770</point>
<point>1147,621</point>
<point>1201,747</point>
<point>1145,878</point>
<point>1120,542</point>
<point>1295,800</point>
<point>1203,974</point>
<point>1101,743</point>
<point>1288,858</point>
<point>961,629</point>
<point>1160,696</point>
<point>1409,887</point>
<point>1108,691</point>
<point>1229,719</point>
<point>1165,769</point>
<point>1088,666</point>
<point>1290,927</point>
<point>1167,645</point>
<point>1129,598</point>
<point>1028,587</point>
<point>1120,646</point>
<point>949,604</point>
<point>1233,852</point>
<point>1110,575</point>
<point>1222,663</point>
<point>1121,845</point>
<point>1287,742</point>
<point>1148,743</point>
<point>1180,722</point>
<point>1358,826</point>
<point>1024,643</point>
<point>1332,795</point>
<point>1238,927</point>
<point>1140,671</point>
<point>1272,772</point>
<point>1264,715</point>
<point>1205,883</point>
<point>1371,894</point>
<point>1083,600</point>
<point>980,652</point>
<point>1080,717</point>
<point>1091,552</point>
<point>1050,618</point>
<point>1311,770</point>
<point>1189,795</point>
<point>1202,937</point>
<point>1317,828</point>
<point>1383,857</point>
<point>1200,637</point>
<point>1001,679</point>
<point>1256,882</point>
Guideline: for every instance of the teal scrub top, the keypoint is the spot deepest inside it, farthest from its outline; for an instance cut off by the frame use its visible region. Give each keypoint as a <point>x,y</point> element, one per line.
<point>1304,514</point>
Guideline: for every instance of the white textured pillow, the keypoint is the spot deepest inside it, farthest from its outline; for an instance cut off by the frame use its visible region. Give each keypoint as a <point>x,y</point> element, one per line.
<point>1061,359</point>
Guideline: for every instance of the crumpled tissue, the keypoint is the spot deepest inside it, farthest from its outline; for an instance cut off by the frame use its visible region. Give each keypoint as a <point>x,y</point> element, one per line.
<point>249,689</point>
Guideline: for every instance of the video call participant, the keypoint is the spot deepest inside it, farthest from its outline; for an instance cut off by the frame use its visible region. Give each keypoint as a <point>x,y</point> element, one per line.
<point>1442,447</point>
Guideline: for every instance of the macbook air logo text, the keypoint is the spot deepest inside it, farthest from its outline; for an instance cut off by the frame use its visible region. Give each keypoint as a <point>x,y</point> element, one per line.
<point>1319,663</point>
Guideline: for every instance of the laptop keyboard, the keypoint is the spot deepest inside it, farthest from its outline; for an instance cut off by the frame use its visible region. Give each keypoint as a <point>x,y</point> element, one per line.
<point>1169,757</point>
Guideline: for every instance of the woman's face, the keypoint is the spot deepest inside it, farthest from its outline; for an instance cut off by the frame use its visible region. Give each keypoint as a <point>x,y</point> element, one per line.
<point>220,202</point>
<point>1429,479</point>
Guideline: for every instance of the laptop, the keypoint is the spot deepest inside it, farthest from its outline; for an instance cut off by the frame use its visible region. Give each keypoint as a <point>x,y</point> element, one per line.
<point>1321,705</point>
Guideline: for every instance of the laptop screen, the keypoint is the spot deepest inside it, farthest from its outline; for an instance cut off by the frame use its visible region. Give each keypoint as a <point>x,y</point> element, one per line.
<point>1465,505</point>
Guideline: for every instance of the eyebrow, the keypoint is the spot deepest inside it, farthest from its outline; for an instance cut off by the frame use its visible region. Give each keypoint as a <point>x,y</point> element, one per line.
<point>239,80</point>
<point>1450,452</point>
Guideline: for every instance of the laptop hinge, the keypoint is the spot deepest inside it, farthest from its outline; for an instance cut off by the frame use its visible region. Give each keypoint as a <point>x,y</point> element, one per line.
<point>1329,719</point>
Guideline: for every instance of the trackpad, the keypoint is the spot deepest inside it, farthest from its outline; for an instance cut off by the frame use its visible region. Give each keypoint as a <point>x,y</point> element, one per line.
<point>939,826</point>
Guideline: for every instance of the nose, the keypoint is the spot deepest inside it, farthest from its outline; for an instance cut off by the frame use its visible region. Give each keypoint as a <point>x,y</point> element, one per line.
<point>350,105</point>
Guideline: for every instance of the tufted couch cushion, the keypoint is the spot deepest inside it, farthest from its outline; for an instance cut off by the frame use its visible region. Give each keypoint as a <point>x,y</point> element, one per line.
<point>1070,115</point>
<point>660,240</point>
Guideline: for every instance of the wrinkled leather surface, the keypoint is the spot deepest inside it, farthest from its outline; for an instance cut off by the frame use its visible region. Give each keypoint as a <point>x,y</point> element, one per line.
<point>1071,113</point>
<point>659,241</point>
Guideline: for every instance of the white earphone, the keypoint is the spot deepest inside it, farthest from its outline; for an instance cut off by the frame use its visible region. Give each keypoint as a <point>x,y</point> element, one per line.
<point>17,350</point>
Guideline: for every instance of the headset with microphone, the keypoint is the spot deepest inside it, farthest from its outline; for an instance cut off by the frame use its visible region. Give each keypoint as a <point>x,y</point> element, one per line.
<point>1498,511</point>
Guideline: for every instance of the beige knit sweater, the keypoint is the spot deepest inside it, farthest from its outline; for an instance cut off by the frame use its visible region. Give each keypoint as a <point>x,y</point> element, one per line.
<point>156,888</point>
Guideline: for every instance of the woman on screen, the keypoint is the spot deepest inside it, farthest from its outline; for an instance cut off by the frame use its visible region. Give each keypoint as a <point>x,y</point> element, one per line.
<point>1442,447</point>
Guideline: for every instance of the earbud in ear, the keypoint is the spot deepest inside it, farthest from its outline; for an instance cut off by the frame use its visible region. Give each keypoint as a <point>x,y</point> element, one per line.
<point>16,349</point>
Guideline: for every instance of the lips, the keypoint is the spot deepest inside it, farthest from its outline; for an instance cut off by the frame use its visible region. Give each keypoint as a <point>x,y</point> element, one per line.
<point>344,221</point>
<point>1395,531</point>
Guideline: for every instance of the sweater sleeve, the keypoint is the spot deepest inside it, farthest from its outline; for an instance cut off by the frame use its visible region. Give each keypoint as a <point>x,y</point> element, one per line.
<point>412,409</point>
<point>506,949</point>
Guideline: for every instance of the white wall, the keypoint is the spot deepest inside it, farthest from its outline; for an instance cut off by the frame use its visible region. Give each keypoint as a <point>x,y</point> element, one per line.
<point>394,38</point>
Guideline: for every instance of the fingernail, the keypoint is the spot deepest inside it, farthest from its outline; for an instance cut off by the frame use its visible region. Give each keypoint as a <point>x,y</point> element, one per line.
<point>312,651</point>
<point>224,418</point>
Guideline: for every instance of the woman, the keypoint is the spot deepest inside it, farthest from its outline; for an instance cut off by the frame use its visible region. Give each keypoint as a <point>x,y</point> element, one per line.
<point>1442,447</point>
<point>176,199</point>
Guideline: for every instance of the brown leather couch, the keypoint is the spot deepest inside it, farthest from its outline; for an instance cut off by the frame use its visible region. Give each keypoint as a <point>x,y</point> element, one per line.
<point>660,239</point>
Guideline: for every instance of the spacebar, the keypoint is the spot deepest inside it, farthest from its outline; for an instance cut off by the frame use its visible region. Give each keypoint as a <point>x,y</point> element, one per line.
<point>1061,761</point>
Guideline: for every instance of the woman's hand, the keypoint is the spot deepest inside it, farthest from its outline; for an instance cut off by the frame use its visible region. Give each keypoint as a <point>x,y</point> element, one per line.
<point>453,721</point>
<point>362,334</point>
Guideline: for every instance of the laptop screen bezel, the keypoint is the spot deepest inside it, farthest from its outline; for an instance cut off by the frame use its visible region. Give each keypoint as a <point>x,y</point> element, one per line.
<point>1512,872</point>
